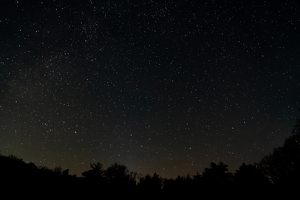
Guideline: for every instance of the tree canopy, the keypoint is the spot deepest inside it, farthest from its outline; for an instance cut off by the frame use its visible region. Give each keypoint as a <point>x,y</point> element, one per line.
<point>282,166</point>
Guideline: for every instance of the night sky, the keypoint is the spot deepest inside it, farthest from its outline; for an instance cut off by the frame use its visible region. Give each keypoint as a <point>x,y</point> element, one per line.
<point>160,86</point>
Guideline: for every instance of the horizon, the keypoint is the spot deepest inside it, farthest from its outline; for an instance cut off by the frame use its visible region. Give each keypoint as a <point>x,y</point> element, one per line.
<point>161,86</point>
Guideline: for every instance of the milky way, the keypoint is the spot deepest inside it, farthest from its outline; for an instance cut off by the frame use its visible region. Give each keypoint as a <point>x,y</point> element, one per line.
<point>160,86</point>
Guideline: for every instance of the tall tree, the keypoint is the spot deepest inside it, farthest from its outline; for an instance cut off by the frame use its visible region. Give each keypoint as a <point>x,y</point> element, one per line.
<point>282,166</point>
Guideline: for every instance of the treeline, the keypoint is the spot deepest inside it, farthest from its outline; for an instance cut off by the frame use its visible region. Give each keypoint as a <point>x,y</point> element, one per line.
<point>281,167</point>
<point>16,172</point>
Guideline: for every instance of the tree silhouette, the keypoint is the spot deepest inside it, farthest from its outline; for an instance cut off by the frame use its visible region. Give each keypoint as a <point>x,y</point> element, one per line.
<point>282,166</point>
<point>95,176</point>
<point>148,183</point>
<point>65,172</point>
<point>96,172</point>
<point>250,175</point>
<point>57,171</point>
<point>182,184</point>
<point>15,170</point>
<point>119,176</point>
<point>217,174</point>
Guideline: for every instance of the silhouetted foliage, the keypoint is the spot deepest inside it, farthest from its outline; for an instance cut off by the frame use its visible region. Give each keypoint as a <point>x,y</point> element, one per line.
<point>58,171</point>
<point>150,183</point>
<point>280,167</point>
<point>181,184</point>
<point>217,174</point>
<point>15,170</point>
<point>96,172</point>
<point>65,172</point>
<point>283,165</point>
<point>250,175</point>
<point>119,176</point>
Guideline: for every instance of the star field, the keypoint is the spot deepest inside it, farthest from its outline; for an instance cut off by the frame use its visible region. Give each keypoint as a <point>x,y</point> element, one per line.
<point>160,86</point>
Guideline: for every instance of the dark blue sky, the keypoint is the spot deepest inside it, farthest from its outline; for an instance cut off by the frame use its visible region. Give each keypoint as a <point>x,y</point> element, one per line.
<point>160,86</point>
